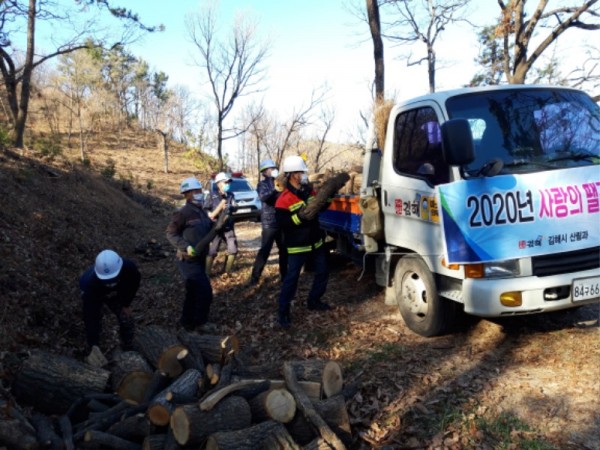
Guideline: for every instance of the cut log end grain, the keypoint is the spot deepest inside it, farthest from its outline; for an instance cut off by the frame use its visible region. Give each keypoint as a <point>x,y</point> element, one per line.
<point>280,405</point>
<point>333,382</point>
<point>134,386</point>
<point>159,414</point>
<point>168,362</point>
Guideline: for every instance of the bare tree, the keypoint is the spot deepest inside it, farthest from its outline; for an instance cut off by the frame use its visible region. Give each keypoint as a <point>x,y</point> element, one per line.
<point>517,31</point>
<point>326,119</point>
<point>17,77</point>
<point>423,21</point>
<point>375,27</point>
<point>233,67</point>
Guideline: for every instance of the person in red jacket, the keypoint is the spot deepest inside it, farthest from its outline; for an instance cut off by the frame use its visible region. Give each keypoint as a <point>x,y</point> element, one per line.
<point>302,238</point>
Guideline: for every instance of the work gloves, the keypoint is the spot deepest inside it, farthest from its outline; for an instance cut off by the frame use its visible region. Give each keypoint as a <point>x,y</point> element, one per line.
<point>191,251</point>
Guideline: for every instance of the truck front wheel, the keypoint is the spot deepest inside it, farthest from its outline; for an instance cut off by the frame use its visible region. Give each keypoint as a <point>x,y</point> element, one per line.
<point>423,311</point>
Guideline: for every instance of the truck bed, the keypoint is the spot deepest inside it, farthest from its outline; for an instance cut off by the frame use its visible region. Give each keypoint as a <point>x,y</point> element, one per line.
<point>343,215</point>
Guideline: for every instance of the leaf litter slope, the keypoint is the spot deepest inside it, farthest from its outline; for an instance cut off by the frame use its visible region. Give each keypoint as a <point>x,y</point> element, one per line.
<point>445,392</point>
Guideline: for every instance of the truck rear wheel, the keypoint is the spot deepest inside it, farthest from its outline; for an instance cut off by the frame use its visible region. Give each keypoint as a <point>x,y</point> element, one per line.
<point>423,311</point>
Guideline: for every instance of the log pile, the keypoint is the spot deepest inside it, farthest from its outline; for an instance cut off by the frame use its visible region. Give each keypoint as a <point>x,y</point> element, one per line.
<point>174,391</point>
<point>352,187</point>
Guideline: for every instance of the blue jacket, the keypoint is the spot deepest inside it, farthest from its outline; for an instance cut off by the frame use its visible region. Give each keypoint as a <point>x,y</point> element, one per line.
<point>268,196</point>
<point>128,283</point>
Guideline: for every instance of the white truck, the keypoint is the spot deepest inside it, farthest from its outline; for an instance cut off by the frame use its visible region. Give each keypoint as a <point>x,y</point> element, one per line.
<point>482,200</point>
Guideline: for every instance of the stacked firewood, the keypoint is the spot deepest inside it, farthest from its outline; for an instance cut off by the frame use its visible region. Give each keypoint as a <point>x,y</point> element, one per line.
<point>175,391</point>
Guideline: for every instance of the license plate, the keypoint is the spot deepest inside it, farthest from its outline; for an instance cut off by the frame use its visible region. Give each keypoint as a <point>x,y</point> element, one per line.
<point>243,211</point>
<point>585,289</point>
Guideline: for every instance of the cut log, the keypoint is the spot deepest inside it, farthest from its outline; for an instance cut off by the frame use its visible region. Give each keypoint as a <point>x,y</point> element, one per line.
<point>160,347</point>
<point>66,429</point>
<point>317,444</point>
<point>213,349</point>
<point>105,440</point>
<point>160,408</point>
<point>209,401</point>
<point>134,428</point>
<point>154,442</point>
<point>276,404</point>
<point>15,436</point>
<point>159,381</point>
<point>189,360</point>
<point>191,425</point>
<point>213,373</point>
<point>46,436</point>
<point>103,421</point>
<point>311,388</point>
<point>51,383</point>
<point>265,435</point>
<point>333,411</point>
<point>332,379</point>
<point>305,406</point>
<point>130,375</point>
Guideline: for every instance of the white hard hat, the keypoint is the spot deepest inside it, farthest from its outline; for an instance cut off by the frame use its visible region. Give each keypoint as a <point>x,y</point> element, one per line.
<point>189,184</point>
<point>222,176</point>
<point>108,264</point>
<point>267,164</point>
<point>294,164</point>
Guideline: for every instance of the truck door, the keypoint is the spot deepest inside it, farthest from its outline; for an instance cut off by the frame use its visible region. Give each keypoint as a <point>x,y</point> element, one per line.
<point>413,166</point>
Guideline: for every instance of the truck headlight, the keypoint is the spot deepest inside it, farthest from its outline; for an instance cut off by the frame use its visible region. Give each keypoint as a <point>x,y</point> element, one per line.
<point>502,269</point>
<point>497,269</point>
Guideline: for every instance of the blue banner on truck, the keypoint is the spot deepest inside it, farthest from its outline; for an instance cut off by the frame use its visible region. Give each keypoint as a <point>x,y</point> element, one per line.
<point>515,216</point>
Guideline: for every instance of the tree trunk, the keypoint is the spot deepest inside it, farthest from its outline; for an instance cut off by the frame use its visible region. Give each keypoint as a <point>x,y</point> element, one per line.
<point>265,435</point>
<point>186,385</point>
<point>131,375</point>
<point>51,383</point>
<point>276,404</point>
<point>375,27</point>
<point>191,425</point>
<point>161,348</point>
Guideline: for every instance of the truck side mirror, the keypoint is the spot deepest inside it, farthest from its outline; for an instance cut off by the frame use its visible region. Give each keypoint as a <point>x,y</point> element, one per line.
<point>457,142</point>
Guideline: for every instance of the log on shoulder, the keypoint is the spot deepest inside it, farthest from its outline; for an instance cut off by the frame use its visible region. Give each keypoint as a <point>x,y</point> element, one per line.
<point>51,383</point>
<point>191,425</point>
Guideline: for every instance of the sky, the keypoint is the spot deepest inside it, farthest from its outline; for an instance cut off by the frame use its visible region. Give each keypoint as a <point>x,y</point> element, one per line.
<point>313,43</point>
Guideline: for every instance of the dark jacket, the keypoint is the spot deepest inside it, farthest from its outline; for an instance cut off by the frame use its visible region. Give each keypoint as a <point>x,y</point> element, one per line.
<point>268,196</point>
<point>188,225</point>
<point>299,236</point>
<point>212,200</point>
<point>123,293</point>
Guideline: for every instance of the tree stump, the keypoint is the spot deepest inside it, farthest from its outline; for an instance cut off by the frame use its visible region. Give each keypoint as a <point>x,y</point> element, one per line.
<point>213,349</point>
<point>131,375</point>
<point>161,348</point>
<point>267,435</point>
<point>191,425</point>
<point>51,383</point>
<point>276,404</point>
<point>186,385</point>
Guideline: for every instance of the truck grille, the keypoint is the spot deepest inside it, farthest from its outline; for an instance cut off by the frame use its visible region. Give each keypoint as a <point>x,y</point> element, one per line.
<point>575,261</point>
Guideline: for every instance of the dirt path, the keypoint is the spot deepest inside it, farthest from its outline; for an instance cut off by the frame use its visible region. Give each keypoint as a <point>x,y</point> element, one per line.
<point>538,375</point>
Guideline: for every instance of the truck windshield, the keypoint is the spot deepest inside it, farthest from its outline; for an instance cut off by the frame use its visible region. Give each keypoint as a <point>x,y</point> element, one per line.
<point>530,129</point>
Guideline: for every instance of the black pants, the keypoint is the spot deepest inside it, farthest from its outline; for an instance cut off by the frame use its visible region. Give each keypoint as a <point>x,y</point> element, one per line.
<point>92,318</point>
<point>198,294</point>
<point>269,235</point>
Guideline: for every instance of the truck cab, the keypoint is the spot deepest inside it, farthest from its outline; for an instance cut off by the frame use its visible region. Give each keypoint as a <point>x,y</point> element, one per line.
<point>488,203</point>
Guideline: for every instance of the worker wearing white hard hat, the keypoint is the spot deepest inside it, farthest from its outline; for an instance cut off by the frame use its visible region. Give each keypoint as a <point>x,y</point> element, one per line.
<point>112,281</point>
<point>216,198</point>
<point>303,239</point>
<point>271,231</point>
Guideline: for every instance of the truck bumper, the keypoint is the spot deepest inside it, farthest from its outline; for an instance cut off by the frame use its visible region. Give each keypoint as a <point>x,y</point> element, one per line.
<point>482,296</point>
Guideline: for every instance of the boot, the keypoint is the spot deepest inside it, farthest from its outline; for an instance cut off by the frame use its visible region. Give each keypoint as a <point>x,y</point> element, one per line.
<point>318,305</point>
<point>229,263</point>
<point>283,318</point>
<point>209,264</point>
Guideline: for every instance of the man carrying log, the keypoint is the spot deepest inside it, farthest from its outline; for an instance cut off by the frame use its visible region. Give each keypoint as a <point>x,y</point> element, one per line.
<point>297,211</point>
<point>190,231</point>
<point>111,281</point>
